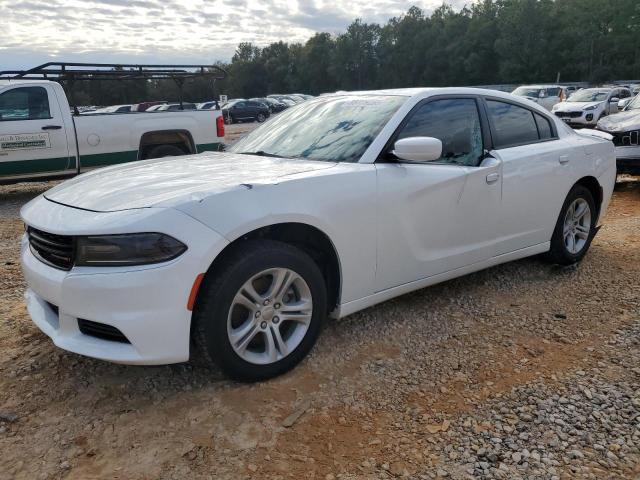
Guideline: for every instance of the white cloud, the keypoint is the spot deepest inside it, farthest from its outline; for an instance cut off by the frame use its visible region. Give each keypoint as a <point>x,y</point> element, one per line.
<point>178,31</point>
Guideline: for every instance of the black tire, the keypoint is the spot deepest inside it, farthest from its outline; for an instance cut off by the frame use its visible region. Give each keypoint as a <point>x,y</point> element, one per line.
<point>161,151</point>
<point>211,344</point>
<point>261,117</point>
<point>559,253</point>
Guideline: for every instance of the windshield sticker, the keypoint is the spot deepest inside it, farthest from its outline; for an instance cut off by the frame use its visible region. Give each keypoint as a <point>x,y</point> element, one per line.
<point>24,141</point>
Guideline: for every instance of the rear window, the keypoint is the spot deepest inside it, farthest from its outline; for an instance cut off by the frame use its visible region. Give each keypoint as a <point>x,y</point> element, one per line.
<point>544,127</point>
<point>512,125</point>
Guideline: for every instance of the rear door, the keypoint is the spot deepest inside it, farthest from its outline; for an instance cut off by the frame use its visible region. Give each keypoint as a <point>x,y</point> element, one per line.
<point>535,174</point>
<point>33,139</point>
<point>254,108</point>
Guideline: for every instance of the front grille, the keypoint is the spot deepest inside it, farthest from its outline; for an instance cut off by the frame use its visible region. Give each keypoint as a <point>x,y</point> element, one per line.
<point>101,330</point>
<point>569,114</point>
<point>626,139</point>
<point>54,250</point>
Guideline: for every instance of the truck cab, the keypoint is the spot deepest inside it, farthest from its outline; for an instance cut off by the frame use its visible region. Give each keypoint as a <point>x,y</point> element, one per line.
<point>36,131</point>
<point>40,137</point>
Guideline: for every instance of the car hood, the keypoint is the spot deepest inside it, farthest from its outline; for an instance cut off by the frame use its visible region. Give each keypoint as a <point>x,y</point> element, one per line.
<point>573,106</point>
<point>621,122</point>
<point>173,180</point>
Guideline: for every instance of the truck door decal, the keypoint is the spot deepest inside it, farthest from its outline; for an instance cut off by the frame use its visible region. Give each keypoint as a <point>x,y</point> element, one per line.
<point>24,141</point>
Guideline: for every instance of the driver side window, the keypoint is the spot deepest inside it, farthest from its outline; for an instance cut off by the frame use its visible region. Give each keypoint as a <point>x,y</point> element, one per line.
<point>24,103</point>
<point>456,123</point>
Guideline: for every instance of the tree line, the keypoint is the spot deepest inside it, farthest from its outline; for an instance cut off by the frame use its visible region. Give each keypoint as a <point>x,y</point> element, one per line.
<point>487,42</point>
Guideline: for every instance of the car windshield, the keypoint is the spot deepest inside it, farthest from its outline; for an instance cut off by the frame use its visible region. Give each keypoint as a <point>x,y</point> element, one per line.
<point>527,92</point>
<point>331,129</point>
<point>589,95</point>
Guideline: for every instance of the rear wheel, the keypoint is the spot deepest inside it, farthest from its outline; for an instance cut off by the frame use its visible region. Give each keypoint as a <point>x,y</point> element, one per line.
<point>261,313</point>
<point>575,227</point>
<point>161,151</point>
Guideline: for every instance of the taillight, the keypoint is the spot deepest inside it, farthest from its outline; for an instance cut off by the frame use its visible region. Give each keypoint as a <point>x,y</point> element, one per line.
<point>220,126</point>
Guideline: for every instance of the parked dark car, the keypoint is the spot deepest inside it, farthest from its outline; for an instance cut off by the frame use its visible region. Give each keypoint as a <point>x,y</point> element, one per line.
<point>274,105</point>
<point>245,111</point>
<point>289,99</point>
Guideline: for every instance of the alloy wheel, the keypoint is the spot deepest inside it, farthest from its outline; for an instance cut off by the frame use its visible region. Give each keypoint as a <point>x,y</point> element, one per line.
<point>269,316</point>
<point>577,226</point>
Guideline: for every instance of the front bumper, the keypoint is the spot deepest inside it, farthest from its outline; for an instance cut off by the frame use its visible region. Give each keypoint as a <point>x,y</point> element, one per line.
<point>587,118</point>
<point>628,160</point>
<point>147,304</point>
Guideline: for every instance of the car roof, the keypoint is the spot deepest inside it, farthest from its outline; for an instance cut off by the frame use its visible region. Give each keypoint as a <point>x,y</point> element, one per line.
<point>428,91</point>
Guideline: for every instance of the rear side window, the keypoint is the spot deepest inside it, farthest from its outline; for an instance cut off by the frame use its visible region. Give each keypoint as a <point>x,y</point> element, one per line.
<point>544,127</point>
<point>455,122</point>
<point>512,125</point>
<point>24,103</point>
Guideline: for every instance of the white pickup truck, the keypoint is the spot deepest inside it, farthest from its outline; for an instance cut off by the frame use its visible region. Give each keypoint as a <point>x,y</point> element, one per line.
<point>40,138</point>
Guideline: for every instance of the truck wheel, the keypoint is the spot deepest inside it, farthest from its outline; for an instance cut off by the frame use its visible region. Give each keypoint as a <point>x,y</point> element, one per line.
<point>261,117</point>
<point>259,313</point>
<point>575,227</point>
<point>161,151</point>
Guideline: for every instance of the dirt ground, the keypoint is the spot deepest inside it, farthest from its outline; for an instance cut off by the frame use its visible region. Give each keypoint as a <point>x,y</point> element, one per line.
<point>525,370</point>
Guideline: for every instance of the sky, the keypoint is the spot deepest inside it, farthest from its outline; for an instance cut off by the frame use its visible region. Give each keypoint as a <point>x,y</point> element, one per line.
<point>172,31</point>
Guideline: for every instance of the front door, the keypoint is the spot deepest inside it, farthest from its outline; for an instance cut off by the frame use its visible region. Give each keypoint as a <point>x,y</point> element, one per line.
<point>438,216</point>
<point>33,138</point>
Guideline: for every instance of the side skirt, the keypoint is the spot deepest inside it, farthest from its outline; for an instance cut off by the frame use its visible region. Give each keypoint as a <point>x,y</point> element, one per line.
<point>362,303</point>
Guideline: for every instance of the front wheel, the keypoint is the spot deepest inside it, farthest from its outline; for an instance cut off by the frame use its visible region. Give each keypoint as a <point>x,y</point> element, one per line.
<point>260,314</point>
<point>575,227</point>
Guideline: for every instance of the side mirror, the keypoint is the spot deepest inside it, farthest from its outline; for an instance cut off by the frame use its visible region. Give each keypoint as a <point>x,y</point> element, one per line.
<point>542,94</point>
<point>418,149</point>
<point>614,100</point>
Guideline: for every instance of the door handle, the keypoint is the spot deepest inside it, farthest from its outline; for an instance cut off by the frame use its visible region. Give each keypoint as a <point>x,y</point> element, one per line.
<point>563,159</point>
<point>493,178</point>
<point>52,127</point>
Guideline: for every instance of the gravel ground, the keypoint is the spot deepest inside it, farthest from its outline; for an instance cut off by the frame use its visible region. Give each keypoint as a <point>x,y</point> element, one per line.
<point>525,370</point>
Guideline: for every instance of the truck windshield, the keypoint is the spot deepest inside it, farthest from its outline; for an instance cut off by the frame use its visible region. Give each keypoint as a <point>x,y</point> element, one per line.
<point>526,92</point>
<point>332,128</point>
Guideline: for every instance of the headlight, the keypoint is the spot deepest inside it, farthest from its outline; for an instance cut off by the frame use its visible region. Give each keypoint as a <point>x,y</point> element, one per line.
<point>127,249</point>
<point>592,107</point>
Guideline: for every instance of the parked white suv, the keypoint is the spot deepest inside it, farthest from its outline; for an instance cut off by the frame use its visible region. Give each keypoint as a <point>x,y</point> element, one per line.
<point>588,105</point>
<point>340,203</point>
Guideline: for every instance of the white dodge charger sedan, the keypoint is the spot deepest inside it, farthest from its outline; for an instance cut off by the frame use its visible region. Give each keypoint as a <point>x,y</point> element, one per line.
<point>337,204</point>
